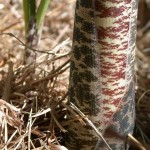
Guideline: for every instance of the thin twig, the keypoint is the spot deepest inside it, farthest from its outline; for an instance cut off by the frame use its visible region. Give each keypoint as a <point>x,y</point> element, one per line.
<point>8,83</point>
<point>53,74</point>
<point>139,100</point>
<point>79,118</point>
<point>29,129</point>
<point>9,140</point>
<point>137,143</point>
<point>30,48</point>
<point>57,123</point>
<point>91,124</point>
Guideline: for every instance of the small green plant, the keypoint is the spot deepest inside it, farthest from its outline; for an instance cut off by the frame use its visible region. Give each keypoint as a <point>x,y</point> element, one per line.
<point>33,18</point>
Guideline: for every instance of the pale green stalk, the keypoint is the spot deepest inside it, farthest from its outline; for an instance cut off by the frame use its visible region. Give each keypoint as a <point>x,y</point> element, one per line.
<point>41,11</point>
<point>29,9</point>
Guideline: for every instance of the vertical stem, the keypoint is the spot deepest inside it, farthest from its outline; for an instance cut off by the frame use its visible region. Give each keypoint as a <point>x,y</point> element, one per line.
<point>85,86</point>
<point>29,9</point>
<point>41,11</point>
<point>116,29</point>
<point>102,70</point>
<point>40,15</point>
<point>33,26</point>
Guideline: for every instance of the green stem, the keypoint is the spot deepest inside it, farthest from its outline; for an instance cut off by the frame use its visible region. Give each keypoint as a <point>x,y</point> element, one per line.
<point>33,18</point>
<point>41,11</point>
<point>29,9</point>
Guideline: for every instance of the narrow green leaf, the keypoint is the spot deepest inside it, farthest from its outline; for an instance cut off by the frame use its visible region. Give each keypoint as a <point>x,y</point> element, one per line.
<point>29,9</point>
<point>41,11</point>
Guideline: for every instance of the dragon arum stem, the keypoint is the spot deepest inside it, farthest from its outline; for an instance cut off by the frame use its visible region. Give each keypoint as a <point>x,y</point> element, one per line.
<point>102,72</point>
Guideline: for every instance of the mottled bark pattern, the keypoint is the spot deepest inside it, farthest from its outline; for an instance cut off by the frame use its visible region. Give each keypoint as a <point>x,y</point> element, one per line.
<point>101,76</point>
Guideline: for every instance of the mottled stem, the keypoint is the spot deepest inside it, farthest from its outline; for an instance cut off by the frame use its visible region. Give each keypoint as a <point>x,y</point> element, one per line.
<point>102,72</point>
<point>32,40</point>
<point>33,26</point>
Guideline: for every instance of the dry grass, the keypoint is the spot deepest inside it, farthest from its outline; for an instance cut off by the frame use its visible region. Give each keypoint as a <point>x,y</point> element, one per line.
<point>30,108</point>
<point>33,98</point>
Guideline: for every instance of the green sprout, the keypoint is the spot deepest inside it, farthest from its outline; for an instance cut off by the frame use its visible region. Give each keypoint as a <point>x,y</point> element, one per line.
<point>33,18</point>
